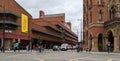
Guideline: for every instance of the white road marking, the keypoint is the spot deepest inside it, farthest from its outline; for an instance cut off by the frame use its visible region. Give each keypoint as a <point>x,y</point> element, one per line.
<point>73,60</point>
<point>38,59</point>
<point>17,55</point>
<point>109,59</point>
<point>13,55</point>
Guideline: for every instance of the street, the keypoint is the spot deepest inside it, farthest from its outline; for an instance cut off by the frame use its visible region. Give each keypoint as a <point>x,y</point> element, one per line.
<point>49,55</point>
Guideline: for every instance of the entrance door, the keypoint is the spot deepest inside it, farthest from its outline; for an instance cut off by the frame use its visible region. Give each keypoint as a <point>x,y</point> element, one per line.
<point>111,40</point>
<point>100,42</point>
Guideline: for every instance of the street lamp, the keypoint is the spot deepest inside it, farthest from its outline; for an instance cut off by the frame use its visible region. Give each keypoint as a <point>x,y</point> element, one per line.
<point>81,41</point>
<point>4,17</point>
<point>81,27</point>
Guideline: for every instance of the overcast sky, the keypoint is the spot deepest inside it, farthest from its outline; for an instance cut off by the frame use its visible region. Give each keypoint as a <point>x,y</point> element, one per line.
<point>72,8</point>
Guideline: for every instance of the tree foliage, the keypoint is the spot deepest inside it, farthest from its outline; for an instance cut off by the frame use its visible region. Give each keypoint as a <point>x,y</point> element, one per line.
<point>39,42</point>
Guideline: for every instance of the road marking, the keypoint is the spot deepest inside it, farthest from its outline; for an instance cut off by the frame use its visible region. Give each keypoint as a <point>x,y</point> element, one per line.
<point>73,60</point>
<point>13,55</point>
<point>17,55</point>
<point>39,59</point>
<point>109,59</point>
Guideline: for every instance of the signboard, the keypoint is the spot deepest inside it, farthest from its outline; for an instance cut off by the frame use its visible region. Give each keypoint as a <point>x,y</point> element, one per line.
<point>24,23</point>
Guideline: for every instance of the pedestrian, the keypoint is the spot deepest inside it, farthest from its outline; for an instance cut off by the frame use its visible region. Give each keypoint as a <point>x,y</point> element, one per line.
<point>39,48</point>
<point>78,49</point>
<point>108,47</point>
<point>17,46</point>
<point>1,48</point>
<point>27,48</point>
<point>14,47</point>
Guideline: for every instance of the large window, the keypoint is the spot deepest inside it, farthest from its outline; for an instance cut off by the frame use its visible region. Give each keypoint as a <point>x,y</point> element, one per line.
<point>100,15</point>
<point>111,15</point>
<point>111,1</point>
<point>90,16</point>
<point>99,2</point>
<point>91,3</point>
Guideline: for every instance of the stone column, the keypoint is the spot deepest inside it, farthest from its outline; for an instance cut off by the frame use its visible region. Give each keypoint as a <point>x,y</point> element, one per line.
<point>95,44</point>
<point>116,44</point>
<point>88,46</point>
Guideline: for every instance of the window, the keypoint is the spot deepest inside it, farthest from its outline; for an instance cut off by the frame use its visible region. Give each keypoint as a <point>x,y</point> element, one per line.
<point>111,15</point>
<point>8,31</point>
<point>99,2</point>
<point>90,2</point>
<point>111,1</point>
<point>100,15</point>
<point>90,16</point>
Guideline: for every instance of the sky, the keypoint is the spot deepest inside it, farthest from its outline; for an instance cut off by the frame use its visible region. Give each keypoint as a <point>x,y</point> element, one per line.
<point>73,9</point>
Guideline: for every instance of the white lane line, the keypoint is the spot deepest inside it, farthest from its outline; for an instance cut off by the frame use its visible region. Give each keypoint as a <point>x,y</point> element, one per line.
<point>38,59</point>
<point>13,55</point>
<point>17,55</point>
<point>73,60</point>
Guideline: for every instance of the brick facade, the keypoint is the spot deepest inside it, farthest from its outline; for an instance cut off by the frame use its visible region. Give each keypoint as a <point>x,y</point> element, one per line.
<point>100,25</point>
<point>52,28</point>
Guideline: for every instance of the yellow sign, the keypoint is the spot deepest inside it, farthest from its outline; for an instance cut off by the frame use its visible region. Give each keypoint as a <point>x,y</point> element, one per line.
<point>24,23</point>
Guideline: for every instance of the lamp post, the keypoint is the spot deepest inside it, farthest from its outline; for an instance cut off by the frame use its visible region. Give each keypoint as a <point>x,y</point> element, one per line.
<point>81,27</point>
<point>81,40</point>
<point>4,17</point>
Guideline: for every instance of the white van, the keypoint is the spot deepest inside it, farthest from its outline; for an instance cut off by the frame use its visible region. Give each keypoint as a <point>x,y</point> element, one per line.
<point>64,47</point>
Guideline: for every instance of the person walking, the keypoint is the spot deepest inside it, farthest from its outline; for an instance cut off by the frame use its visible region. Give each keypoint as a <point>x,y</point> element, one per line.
<point>108,47</point>
<point>27,48</point>
<point>14,47</point>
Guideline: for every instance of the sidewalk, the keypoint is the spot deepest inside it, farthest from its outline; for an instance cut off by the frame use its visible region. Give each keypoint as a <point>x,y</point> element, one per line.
<point>103,53</point>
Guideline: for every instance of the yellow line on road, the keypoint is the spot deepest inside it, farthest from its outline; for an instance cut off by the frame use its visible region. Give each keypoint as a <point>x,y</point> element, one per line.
<point>109,59</point>
<point>73,60</point>
<point>38,59</point>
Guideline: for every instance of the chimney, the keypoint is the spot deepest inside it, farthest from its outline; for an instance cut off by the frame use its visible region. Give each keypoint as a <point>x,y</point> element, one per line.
<point>41,15</point>
<point>69,24</point>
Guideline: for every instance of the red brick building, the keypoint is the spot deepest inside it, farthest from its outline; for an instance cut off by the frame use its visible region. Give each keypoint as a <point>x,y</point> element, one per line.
<point>52,28</point>
<point>101,25</point>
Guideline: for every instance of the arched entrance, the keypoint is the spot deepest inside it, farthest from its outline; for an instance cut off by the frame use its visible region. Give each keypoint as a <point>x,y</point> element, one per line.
<point>100,42</point>
<point>111,40</point>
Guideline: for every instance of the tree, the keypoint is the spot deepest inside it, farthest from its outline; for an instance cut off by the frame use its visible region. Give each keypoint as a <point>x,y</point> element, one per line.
<point>39,41</point>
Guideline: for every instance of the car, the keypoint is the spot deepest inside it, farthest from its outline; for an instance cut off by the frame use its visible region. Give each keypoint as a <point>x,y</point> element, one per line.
<point>64,47</point>
<point>55,48</point>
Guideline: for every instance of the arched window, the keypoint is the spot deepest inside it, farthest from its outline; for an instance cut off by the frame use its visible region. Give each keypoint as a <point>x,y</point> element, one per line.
<point>100,15</point>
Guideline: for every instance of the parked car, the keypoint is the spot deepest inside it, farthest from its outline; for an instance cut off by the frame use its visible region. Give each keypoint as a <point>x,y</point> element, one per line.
<point>64,47</point>
<point>55,48</point>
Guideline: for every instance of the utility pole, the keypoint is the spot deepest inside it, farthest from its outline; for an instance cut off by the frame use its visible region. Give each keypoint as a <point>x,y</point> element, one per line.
<point>4,18</point>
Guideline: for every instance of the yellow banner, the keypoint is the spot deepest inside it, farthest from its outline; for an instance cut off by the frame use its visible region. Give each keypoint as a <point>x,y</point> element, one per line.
<point>24,23</point>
